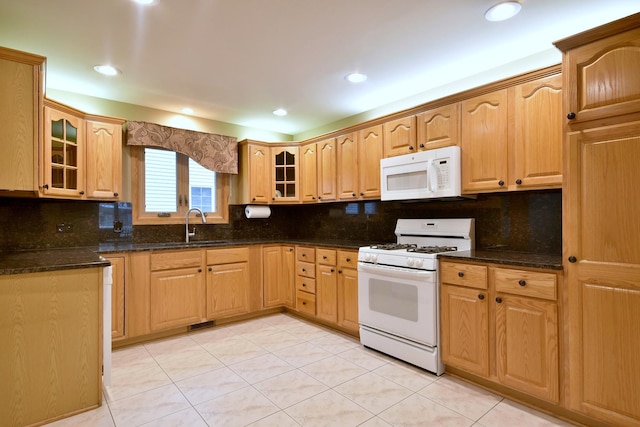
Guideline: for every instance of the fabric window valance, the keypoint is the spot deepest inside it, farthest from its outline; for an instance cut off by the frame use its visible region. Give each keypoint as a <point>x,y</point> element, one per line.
<point>218,153</point>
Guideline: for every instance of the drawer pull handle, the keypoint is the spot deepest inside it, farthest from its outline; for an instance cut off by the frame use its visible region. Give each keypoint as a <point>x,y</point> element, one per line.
<point>460,274</point>
<point>304,270</point>
<point>304,255</point>
<point>304,285</point>
<point>324,257</point>
<point>480,296</point>
<point>304,303</point>
<point>522,282</point>
<point>498,300</point>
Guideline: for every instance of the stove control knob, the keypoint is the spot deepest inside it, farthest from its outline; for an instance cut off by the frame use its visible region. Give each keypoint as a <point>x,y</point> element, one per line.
<point>419,263</point>
<point>410,262</point>
<point>374,258</point>
<point>367,257</point>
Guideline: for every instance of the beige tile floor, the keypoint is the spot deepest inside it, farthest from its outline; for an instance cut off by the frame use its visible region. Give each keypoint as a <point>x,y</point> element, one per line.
<point>282,371</point>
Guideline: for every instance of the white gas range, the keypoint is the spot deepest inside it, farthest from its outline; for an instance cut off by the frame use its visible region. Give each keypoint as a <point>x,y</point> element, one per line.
<point>398,296</point>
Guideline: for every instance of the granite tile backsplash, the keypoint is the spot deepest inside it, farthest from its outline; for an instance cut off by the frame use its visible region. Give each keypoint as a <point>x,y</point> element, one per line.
<point>520,221</point>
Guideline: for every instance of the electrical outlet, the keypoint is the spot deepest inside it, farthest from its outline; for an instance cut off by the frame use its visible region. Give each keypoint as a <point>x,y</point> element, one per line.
<point>64,228</point>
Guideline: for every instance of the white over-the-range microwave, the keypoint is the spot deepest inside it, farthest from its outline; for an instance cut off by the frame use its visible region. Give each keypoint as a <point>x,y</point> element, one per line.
<point>430,174</point>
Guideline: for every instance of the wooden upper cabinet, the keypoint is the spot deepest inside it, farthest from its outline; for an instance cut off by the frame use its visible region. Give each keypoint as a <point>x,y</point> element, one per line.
<point>485,142</point>
<point>370,151</point>
<point>285,170</point>
<point>259,169</point>
<point>327,163</point>
<point>309,172</point>
<point>64,145</point>
<point>21,87</point>
<point>535,151</point>
<point>347,166</point>
<point>602,76</point>
<point>104,158</point>
<point>439,127</point>
<point>400,136</point>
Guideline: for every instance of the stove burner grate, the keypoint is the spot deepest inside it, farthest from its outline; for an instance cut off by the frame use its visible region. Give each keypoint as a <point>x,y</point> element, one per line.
<point>432,249</point>
<point>394,246</point>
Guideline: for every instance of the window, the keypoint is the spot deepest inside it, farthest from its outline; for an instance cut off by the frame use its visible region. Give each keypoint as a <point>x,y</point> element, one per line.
<point>169,183</point>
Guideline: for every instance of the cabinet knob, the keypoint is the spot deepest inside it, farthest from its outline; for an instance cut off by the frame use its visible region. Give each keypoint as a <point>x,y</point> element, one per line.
<point>332,270</point>
<point>522,282</point>
<point>362,194</point>
<point>498,300</point>
<point>210,269</point>
<point>254,199</point>
<point>304,285</point>
<point>319,197</point>
<point>460,274</point>
<point>304,255</point>
<point>199,270</point>
<point>353,194</point>
<point>82,193</point>
<point>572,259</point>
<point>304,270</point>
<point>348,259</point>
<point>339,271</point>
<point>313,197</point>
<point>411,148</point>
<point>480,296</point>
<point>518,181</point>
<point>501,183</point>
<point>324,257</point>
<point>421,145</point>
<point>304,303</point>
<point>273,198</point>
<point>571,115</point>
<point>115,194</point>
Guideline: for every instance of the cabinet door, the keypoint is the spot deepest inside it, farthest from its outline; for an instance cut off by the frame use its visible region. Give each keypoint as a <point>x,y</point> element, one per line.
<point>603,77</point>
<point>327,293</point>
<point>259,174</point>
<point>227,289</point>
<point>527,345</point>
<point>117,297</point>
<point>288,276</point>
<point>370,151</point>
<point>327,180</point>
<point>177,298</point>
<point>439,127</point>
<point>602,264</point>
<point>104,160</point>
<point>464,315</point>
<point>271,266</point>
<point>286,174</point>
<point>20,119</point>
<point>347,166</point>
<point>64,151</point>
<point>309,173</point>
<point>484,143</point>
<point>400,136</point>
<point>348,298</point>
<point>536,149</point>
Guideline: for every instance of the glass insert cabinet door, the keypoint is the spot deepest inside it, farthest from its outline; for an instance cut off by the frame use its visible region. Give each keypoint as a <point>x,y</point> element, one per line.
<point>286,174</point>
<point>63,154</point>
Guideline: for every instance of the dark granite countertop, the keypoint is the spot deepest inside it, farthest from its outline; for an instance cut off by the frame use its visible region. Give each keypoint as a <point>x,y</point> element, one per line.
<point>520,259</point>
<point>20,262</point>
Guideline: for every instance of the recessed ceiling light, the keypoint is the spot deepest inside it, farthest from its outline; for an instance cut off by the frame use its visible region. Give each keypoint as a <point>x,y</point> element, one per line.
<point>144,2</point>
<point>107,70</point>
<point>356,77</point>
<point>503,11</point>
<point>280,112</point>
<point>187,110</point>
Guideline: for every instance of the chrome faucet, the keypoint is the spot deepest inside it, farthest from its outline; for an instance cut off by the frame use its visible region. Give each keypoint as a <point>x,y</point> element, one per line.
<point>186,223</point>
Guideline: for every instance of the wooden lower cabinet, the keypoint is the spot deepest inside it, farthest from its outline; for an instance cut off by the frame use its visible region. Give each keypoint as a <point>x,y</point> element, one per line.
<point>464,315</point>
<point>177,289</point>
<point>278,268</point>
<point>348,298</point>
<point>51,334</point>
<point>227,283</point>
<point>503,328</point>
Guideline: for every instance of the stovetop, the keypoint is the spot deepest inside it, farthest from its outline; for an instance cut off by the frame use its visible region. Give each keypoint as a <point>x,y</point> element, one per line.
<point>419,243</point>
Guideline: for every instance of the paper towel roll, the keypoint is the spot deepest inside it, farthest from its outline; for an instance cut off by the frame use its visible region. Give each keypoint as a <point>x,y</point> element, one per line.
<point>253,211</point>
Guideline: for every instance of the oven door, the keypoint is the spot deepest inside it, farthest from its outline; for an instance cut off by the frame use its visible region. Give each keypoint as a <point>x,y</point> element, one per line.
<point>399,301</point>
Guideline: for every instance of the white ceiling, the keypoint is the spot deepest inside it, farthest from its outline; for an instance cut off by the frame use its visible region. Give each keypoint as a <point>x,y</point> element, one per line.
<point>237,60</point>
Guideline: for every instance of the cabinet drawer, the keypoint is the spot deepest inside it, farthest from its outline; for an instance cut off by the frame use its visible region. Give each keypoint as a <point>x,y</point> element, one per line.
<point>305,269</point>
<point>473,276</point>
<point>528,283</point>
<point>306,284</point>
<point>306,302</point>
<point>347,259</point>
<point>326,256</point>
<point>167,260</point>
<point>305,254</point>
<point>227,255</point>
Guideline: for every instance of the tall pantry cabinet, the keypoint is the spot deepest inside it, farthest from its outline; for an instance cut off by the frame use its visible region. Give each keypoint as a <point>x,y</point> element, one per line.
<point>601,219</point>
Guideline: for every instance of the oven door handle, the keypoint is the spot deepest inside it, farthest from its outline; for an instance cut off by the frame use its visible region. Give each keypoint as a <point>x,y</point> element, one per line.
<point>396,272</point>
